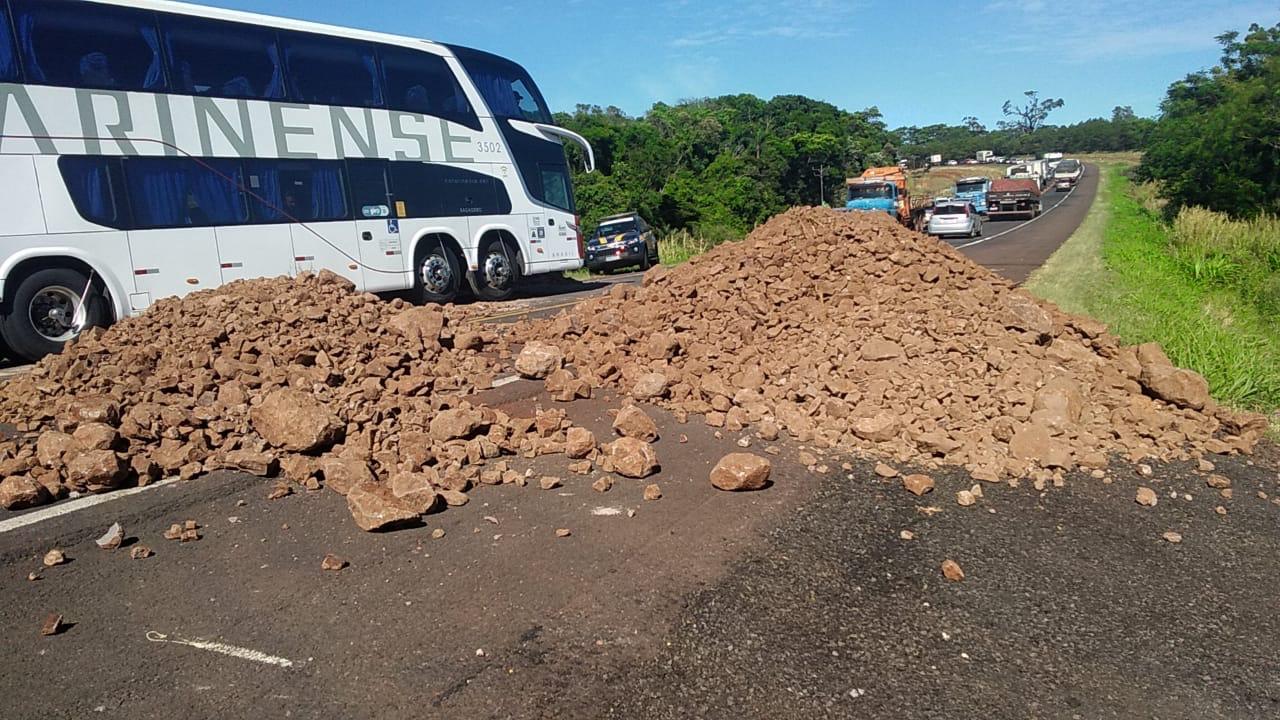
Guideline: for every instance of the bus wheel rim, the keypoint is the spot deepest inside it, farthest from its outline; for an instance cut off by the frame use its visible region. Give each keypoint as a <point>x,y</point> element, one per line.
<point>56,313</point>
<point>436,274</point>
<point>497,270</point>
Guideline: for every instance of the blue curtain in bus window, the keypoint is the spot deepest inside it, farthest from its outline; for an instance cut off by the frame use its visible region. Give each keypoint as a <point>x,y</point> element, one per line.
<point>89,185</point>
<point>222,59</point>
<point>168,192</point>
<point>327,198</point>
<point>8,54</point>
<point>497,92</point>
<point>92,45</point>
<point>265,201</point>
<point>329,71</point>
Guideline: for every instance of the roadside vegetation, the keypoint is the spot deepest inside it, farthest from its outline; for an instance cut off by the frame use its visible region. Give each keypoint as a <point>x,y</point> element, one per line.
<point>1190,283</point>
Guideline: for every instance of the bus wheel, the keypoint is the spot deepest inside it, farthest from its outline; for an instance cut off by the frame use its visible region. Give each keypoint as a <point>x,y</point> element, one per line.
<point>49,308</point>
<point>499,272</point>
<point>439,275</point>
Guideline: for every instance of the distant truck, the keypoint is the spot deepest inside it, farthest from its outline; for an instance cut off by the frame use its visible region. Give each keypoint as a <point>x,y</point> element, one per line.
<point>984,156</point>
<point>935,159</point>
<point>974,190</point>
<point>884,189</point>
<point>1037,170</point>
<point>1067,174</point>
<point>1014,198</point>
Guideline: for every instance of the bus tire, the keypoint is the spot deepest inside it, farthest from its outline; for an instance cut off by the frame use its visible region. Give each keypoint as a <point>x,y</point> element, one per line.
<point>499,272</point>
<point>437,274</point>
<point>39,318</point>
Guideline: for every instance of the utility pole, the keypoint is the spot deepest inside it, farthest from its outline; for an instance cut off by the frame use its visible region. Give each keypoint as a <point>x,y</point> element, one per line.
<point>821,172</point>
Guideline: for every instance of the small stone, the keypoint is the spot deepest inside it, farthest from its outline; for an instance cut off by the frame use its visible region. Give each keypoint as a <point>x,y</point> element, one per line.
<point>174,532</point>
<point>437,533</point>
<point>907,535</point>
<point>140,552</point>
<point>1205,465</point>
<point>652,492</point>
<point>52,625</point>
<point>602,485</point>
<point>918,484</point>
<point>548,482</point>
<point>112,539</point>
<point>886,471</point>
<point>741,471</point>
<point>1220,510</point>
<point>281,489</point>
<point>965,498</point>
<point>54,557</point>
<point>537,360</point>
<point>632,422</point>
<point>563,532</point>
<point>1226,493</point>
<point>333,563</point>
<point>1218,482</point>
<point>33,576</point>
<point>1145,470</point>
<point>454,498</point>
<point>951,570</point>
<point>1146,497</point>
<point>1172,537</point>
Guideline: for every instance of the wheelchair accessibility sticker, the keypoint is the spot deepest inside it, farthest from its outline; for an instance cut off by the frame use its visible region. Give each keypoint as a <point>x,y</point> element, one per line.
<point>393,226</point>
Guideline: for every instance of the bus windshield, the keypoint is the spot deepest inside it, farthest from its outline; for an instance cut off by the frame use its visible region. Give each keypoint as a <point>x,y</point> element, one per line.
<point>506,87</point>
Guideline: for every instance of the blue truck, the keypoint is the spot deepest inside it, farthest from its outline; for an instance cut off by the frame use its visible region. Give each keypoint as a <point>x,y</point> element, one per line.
<point>974,189</point>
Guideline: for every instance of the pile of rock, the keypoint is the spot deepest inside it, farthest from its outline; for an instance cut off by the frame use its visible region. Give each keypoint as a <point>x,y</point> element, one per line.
<point>304,377</point>
<point>847,330</point>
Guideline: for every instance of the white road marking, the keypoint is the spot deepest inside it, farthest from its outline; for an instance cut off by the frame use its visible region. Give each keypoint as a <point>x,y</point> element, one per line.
<point>606,511</point>
<point>224,649</point>
<point>71,506</point>
<point>1019,227</point>
<point>506,380</point>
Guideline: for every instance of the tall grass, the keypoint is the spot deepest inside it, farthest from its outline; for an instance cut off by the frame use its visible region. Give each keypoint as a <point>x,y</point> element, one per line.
<point>682,245</point>
<point>1238,256</point>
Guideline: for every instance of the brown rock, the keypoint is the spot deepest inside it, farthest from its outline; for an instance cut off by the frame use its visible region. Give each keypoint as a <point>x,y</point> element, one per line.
<point>280,490</point>
<point>1030,442</point>
<point>1172,537</point>
<point>421,324</point>
<point>332,563</point>
<point>563,532</point>
<point>415,490</point>
<point>17,493</point>
<point>454,498</point>
<point>1146,497</point>
<point>95,471</point>
<point>1218,482</point>
<point>455,423</point>
<point>140,552</point>
<point>652,492</point>
<point>1176,386</point>
<point>632,422</point>
<point>886,471</point>
<point>375,507</point>
<point>112,539</point>
<point>52,625</point>
<point>51,446</point>
<point>54,557</point>
<point>96,436</point>
<point>632,458</point>
<point>548,482</point>
<point>965,498</point>
<point>881,428</point>
<point>293,420</point>
<point>918,484</point>
<point>262,464</point>
<point>741,471</point>
<point>602,484</point>
<point>342,474</point>
<point>649,386</point>
<point>538,360</point>
<point>579,442</point>
<point>881,349</point>
<point>951,571</point>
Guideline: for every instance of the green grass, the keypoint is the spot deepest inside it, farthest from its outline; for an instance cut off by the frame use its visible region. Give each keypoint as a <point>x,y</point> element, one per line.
<point>1123,266</point>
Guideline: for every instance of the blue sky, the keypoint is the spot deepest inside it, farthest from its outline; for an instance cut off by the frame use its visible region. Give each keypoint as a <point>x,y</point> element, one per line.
<point>920,62</point>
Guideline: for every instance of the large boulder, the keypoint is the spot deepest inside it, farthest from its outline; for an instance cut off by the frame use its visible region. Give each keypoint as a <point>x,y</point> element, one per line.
<point>632,458</point>
<point>1176,386</point>
<point>741,471</point>
<point>375,507</point>
<point>294,420</point>
<point>21,492</point>
<point>635,423</point>
<point>95,471</point>
<point>579,442</point>
<point>415,490</point>
<point>454,424</point>
<point>538,360</point>
<point>343,474</point>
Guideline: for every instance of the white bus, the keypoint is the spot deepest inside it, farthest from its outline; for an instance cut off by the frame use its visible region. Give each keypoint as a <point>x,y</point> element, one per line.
<point>150,149</point>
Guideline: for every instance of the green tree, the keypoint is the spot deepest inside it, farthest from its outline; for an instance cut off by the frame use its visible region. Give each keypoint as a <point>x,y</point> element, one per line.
<point>1030,117</point>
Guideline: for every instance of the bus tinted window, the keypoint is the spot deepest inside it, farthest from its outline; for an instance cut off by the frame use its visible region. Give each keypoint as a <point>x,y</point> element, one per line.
<point>288,191</point>
<point>181,192</point>
<point>329,71</point>
<point>505,86</point>
<point>555,187</point>
<point>90,45</point>
<point>91,182</point>
<point>222,59</point>
<point>8,50</point>
<point>422,83</point>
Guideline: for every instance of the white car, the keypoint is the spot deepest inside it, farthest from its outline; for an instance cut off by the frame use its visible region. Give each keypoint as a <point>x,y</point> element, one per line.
<point>955,218</point>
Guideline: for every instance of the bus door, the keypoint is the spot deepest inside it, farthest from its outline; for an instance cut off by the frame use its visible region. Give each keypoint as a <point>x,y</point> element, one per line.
<point>378,216</point>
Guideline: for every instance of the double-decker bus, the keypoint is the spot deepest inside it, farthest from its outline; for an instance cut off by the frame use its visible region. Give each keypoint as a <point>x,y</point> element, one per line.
<point>150,149</point>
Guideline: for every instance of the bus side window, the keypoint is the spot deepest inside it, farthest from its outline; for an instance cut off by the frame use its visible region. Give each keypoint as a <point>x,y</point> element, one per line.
<point>221,59</point>
<point>296,191</point>
<point>8,50</point>
<point>420,82</point>
<point>367,184</point>
<point>93,183</point>
<point>329,71</point>
<point>181,192</point>
<point>91,46</point>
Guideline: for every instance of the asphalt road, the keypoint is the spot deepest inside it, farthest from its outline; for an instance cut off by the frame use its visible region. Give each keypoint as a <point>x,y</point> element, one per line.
<point>800,601</point>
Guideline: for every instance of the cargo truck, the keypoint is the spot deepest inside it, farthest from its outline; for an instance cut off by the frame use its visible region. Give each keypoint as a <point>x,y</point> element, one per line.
<point>974,189</point>
<point>884,189</point>
<point>1013,198</point>
<point>1037,170</point>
